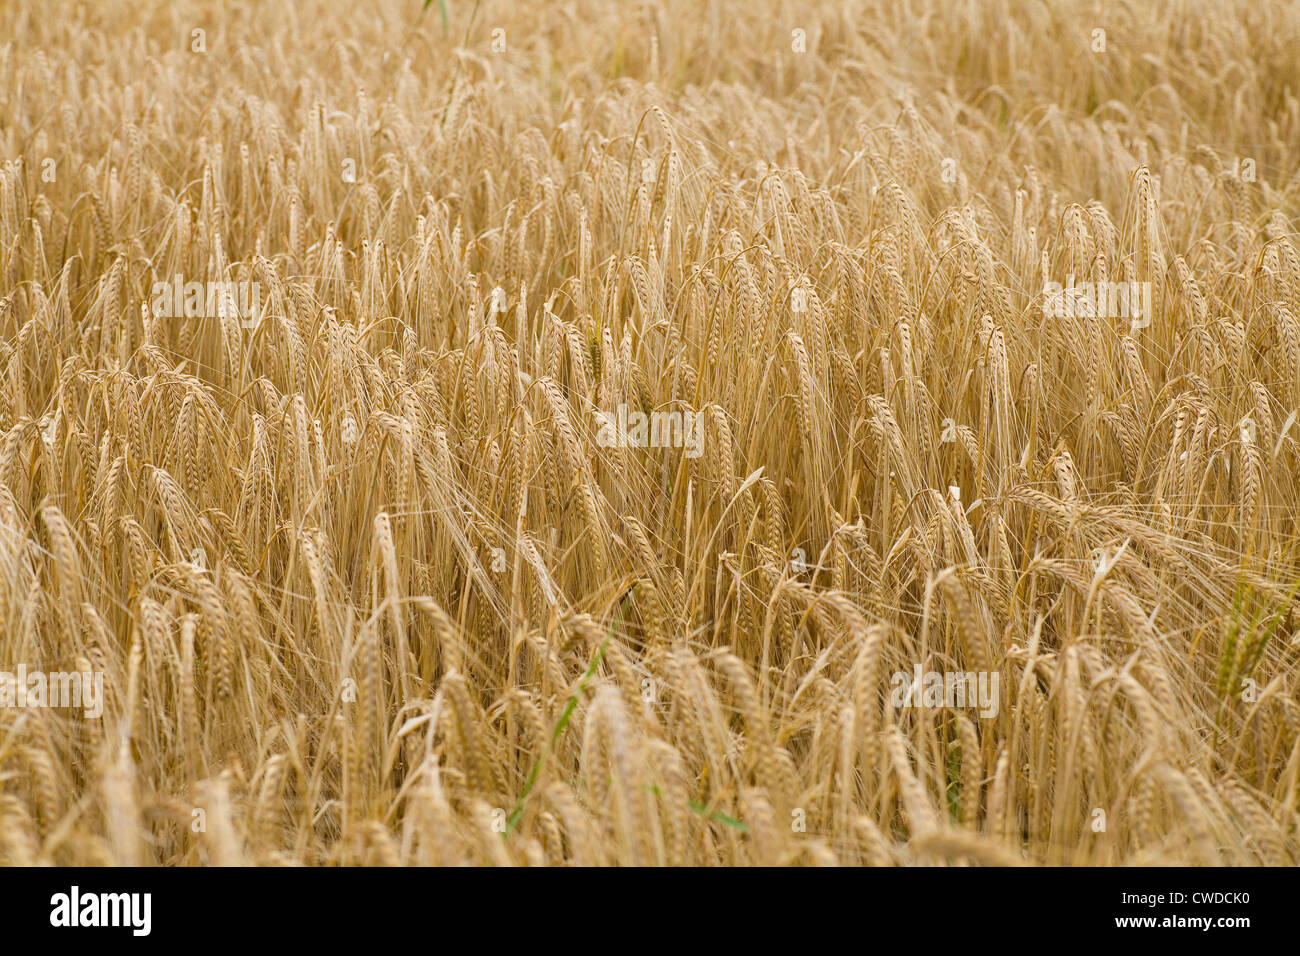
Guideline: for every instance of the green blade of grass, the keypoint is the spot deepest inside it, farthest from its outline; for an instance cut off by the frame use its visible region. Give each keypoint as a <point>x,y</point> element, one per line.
<point>717,816</point>
<point>570,706</point>
<point>442,9</point>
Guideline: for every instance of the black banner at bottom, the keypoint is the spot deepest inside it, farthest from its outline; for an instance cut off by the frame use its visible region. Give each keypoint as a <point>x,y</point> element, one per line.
<point>328,906</point>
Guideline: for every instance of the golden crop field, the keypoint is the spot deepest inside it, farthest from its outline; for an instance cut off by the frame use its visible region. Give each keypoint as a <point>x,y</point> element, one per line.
<point>697,432</point>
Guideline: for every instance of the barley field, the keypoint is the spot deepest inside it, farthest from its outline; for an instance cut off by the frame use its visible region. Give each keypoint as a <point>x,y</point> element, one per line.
<point>703,433</point>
